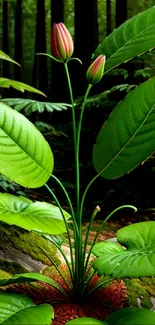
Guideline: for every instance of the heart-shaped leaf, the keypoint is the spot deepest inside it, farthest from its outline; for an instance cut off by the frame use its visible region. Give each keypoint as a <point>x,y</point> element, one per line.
<point>40,216</point>
<point>32,277</point>
<point>135,258</point>
<point>127,138</point>
<point>25,156</point>
<point>18,309</point>
<point>131,316</point>
<point>136,36</point>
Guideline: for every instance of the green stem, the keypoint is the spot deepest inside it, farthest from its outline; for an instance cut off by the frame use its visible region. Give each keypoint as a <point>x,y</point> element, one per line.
<point>87,281</point>
<point>96,210</point>
<point>69,201</point>
<point>85,193</point>
<point>98,285</point>
<point>74,133</point>
<point>101,227</point>
<point>56,267</point>
<point>67,228</point>
<point>78,147</point>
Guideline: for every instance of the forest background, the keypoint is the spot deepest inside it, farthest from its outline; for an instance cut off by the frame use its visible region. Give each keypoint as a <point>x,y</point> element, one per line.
<point>25,27</point>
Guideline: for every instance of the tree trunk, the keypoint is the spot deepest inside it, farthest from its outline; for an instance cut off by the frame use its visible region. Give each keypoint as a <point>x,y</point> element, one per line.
<point>40,71</point>
<point>58,80</point>
<point>5,38</point>
<point>121,12</point>
<point>18,72</point>
<point>86,37</point>
<point>109,27</point>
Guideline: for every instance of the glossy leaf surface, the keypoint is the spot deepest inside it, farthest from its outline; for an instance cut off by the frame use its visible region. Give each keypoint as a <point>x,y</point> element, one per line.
<point>31,277</point>
<point>25,156</point>
<point>41,216</point>
<point>18,309</point>
<point>134,37</point>
<point>134,258</point>
<point>131,316</point>
<point>127,138</point>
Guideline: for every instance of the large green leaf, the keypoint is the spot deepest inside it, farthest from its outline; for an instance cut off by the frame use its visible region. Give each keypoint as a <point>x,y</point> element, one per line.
<point>134,37</point>
<point>18,309</point>
<point>31,277</point>
<point>134,258</point>
<point>7,83</point>
<point>40,216</point>
<point>86,321</point>
<point>29,105</point>
<point>131,316</point>
<point>25,156</point>
<point>127,138</point>
<point>4,56</point>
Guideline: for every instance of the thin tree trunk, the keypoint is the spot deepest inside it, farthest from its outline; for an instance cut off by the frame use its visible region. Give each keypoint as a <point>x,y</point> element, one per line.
<point>121,12</point>
<point>40,71</point>
<point>58,80</point>
<point>109,25</point>
<point>86,36</point>
<point>18,72</point>
<point>5,66</point>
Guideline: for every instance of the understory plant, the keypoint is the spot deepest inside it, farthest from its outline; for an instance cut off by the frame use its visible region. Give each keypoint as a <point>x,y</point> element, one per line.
<point>126,140</point>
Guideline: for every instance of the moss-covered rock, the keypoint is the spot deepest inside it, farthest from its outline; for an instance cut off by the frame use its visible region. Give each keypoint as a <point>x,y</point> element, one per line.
<point>140,292</point>
<point>21,251</point>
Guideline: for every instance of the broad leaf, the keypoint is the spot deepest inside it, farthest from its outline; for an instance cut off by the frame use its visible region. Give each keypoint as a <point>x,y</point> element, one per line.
<point>136,256</point>
<point>40,216</point>
<point>18,309</point>
<point>25,156</point>
<point>29,105</point>
<point>32,277</point>
<point>131,316</point>
<point>4,56</point>
<point>7,83</point>
<point>86,321</point>
<point>136,36</point>
<point>127,138</point>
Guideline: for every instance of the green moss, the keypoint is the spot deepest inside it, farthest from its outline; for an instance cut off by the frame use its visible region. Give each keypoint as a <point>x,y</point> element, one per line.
<point>149,285</point>
<point>136,290</point>
<point>27,242</point>
<point>4,274</point>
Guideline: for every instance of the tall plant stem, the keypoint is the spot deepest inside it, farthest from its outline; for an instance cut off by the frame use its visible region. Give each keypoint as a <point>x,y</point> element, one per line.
<point>67,228</point>
<point>74,136</point>
<point>57,268</point>
<point>69,202</point>
<point>78,144</point>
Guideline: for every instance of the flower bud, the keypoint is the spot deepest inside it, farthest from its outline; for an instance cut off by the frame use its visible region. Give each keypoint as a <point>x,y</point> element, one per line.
<point>96,70</point>
<point>61,42</point>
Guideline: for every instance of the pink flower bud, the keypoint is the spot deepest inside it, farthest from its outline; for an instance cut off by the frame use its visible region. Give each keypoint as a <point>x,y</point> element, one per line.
<point>96,70</point>
<point>61,42</point>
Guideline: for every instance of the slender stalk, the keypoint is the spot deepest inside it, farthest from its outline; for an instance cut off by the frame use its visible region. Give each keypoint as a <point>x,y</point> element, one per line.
<point>87,281</point>
<point>78,146</point>
<point>96,210</point>
<point>65,258</point>
<point>98,285</point>
<point>56,267</point>
<point>74,136</point>
<point>101,227</point>
<point>69,201</point>
<point>67,228</point>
